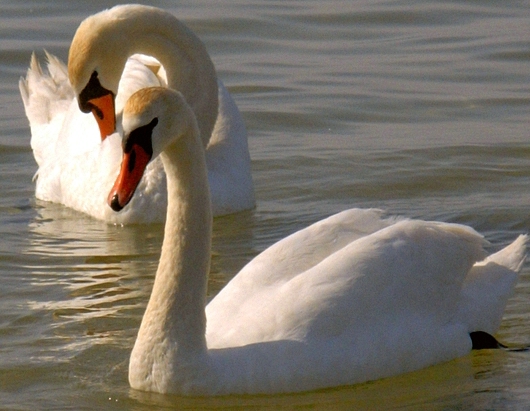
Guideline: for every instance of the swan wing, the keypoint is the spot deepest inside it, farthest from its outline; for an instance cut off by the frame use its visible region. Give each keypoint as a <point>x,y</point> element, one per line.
<point>386,281</point>
<point>342,273</point>
<point>395,300</point>
<point>385,303</point>
<point>295,254</point>
<point>46,98</point>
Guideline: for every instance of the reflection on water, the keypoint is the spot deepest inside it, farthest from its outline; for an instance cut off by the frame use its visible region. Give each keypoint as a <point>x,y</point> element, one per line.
<point>101,269</point>
<point>81,273</point>
<point>81,288</point>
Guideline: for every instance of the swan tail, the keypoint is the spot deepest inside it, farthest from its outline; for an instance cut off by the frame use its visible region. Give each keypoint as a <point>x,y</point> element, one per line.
<point>512,256</point>
<point>488,286</point>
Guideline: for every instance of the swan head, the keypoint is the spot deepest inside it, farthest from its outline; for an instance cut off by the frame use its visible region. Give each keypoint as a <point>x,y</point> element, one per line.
<point>153,118</point>
<point>96,59</point>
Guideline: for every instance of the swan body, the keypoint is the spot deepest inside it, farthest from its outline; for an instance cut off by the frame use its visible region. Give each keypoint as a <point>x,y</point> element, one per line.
<point>76,166</point>
<point>354,297</point>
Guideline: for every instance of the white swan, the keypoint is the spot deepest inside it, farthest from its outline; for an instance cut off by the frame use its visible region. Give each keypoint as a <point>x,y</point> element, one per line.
<point>354,297</point>
<point>75,166</point>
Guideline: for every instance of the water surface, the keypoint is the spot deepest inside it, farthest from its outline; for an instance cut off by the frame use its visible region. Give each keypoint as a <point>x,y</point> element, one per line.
<point>417,107</point>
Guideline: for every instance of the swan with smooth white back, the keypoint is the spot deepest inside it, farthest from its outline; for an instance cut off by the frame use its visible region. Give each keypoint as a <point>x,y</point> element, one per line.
<point>354,297</point>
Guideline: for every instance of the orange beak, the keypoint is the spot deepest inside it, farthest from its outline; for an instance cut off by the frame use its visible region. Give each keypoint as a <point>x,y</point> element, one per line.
<point>132,169</point>
<point>103,110</point>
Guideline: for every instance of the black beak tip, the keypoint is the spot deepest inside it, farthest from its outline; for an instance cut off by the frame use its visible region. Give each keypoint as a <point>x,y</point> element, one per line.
<point>115,203</point>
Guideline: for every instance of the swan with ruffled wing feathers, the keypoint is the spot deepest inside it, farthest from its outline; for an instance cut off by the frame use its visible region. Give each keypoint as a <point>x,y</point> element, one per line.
<point>113,54</point>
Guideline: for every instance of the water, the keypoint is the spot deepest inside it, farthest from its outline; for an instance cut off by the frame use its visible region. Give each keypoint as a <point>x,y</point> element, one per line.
<point>417,107</point>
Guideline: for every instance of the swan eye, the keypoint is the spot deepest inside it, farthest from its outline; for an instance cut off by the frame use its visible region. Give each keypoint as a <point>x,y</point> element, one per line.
<point>141,136</point>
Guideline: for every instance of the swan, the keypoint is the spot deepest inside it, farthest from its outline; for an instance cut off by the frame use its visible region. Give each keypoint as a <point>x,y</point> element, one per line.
<point>78,154</point>
<point>355,297</point>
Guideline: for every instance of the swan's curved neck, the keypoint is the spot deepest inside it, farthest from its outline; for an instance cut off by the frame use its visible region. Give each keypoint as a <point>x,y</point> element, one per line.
<point>171,340</point>
<point>184,57</point>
